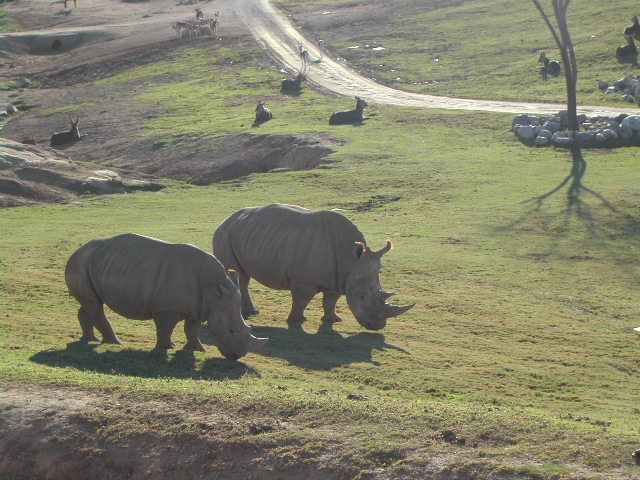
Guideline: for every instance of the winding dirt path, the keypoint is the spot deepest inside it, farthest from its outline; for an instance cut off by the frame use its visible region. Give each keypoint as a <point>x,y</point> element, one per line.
<point>275,33</point>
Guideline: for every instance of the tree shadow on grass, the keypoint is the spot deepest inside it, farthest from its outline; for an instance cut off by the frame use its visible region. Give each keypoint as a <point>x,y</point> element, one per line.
<point>324,350</point>
<point>617,233</point>
<point>140,363</point>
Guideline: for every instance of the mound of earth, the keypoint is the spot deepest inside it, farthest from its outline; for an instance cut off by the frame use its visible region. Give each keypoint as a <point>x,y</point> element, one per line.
<point>206,161</point>
<point>32,174</point>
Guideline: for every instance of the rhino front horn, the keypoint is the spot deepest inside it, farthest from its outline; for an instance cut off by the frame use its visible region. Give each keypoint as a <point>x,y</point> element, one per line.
<point>395,310</point>
<point>255,343</point>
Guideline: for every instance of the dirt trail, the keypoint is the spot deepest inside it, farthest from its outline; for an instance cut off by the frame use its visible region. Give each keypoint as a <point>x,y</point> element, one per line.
<point>275,33</point>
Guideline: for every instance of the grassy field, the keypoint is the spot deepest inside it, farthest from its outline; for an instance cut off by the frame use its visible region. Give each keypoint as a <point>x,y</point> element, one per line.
<point>521,340</point>
<point>476,49</point>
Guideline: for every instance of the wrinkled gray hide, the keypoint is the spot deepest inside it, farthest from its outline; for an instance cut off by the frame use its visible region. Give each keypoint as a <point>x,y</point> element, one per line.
<point>143,278</point>
<point>287,247</point>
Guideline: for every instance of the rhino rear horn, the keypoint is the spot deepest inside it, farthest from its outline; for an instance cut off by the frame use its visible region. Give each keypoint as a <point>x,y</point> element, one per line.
<point>255,343</point>
<point>395,310</point>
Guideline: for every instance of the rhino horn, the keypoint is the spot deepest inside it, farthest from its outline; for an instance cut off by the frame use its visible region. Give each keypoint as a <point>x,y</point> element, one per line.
<point>386,295</point>
<point>255,343</point>
<point>395,310</point>
<point>384,249</point>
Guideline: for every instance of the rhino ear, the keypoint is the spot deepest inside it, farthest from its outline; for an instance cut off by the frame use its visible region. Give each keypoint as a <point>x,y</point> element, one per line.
<point>359,249</point>
<point>233,275</point>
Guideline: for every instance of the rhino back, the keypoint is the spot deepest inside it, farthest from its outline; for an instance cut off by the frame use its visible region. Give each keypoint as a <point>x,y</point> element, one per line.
<point>281,245</point>
<point>137,276</point>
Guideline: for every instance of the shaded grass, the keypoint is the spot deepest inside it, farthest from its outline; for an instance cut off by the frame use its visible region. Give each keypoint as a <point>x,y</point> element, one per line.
<point>521,339</point>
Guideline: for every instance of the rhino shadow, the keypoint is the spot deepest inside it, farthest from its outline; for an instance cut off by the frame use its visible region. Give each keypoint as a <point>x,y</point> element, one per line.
<point>141,363</point>
<point>324,350</point>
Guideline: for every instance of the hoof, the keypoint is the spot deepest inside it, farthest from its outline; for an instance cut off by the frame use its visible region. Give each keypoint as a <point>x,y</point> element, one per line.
<point>194,348</point>
<point>331,319</point>
<point>88,339</point>
<point>296,322</point>
<point>111,341</point>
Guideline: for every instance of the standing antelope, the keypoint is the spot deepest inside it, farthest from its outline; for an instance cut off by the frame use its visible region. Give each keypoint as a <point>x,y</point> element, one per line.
<point>263,114</point>
<point>178,27</point>
<point>349,116</point>
<point>304,56</point>
<point>633,30</point>
<point>60,138</point>
<point>199,14</point>
<point>549,66</point>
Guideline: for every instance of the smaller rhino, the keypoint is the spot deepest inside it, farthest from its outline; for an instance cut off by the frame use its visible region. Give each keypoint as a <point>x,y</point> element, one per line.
<point>144,278</point>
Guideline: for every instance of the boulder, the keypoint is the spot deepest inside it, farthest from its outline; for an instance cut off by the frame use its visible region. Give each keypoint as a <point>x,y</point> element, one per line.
<point>526,133</point>
<point>632,122</point>
<point>542,141</point>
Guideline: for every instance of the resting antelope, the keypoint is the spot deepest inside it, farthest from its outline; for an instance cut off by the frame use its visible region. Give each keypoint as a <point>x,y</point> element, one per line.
<point>263,114</point>
<point>60,138</point>
<point>628,50</point>
<point>349,116</point>
<point>296,83</point>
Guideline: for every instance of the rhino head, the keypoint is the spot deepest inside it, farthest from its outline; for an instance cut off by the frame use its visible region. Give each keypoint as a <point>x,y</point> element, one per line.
<point>365,297</point>
<point>227,328</point>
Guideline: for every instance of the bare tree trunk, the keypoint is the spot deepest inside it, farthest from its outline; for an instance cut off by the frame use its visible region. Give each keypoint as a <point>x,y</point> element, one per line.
<point>563,40</point>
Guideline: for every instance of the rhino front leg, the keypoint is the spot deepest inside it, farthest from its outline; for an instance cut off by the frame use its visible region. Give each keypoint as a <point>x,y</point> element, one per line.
<point>165,323</point>
<point>191,330</point>
<point>301,296</point>
<point>247,306</point>
<point>329,301</point>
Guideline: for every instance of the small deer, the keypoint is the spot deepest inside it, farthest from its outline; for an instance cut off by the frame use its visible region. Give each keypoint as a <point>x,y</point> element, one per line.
<point>199,14</point>
<point>549,66</point>
<point>263,114</point>
<point>178,27</point>
<point>60,138</point>
<point>295,84</point>
<point>213,24</point>
<point>349,116</point>
<point>304,56</point>
<point>628,50</point>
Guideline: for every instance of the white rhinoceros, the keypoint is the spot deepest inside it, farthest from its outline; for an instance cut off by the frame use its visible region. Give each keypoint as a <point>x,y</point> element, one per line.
<point>287,247</point>
<point>144,278</point>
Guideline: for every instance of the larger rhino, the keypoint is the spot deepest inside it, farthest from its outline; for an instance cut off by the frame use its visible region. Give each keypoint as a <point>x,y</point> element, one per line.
<point>144,278</point>
<point>287,247</point>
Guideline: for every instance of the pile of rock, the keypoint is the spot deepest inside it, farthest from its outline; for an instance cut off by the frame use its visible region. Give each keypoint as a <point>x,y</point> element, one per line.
<point>628,87</point>
<point>597,131</point>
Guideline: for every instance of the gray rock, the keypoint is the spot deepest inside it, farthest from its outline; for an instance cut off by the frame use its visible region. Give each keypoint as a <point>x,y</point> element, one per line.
<point>602,85</point>
<point>521,120</point>
<point>526,133</point>
<point>542,141</point>
<point>610,134</point>
<point>584,137</point>
<point>582,118</point>
<point>12,109</point>
<point>544,133</point>
<point>551,126</point>
<point>632,122</point>
<point>563,141</point>
<point>23,82</point>
<point>600,137</point>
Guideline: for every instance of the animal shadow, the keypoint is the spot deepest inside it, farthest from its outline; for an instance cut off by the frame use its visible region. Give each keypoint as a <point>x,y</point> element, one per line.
<point>141,363</point>
<point>324,350</point>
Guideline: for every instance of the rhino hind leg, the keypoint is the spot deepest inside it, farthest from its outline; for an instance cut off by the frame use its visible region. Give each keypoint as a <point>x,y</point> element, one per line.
<point>300,296</point>
<point>247,306</point>
<point>165,323</point>
<point>92,315</point>
<point>88,334</point>
<point>191,330</point>
<point>329,301</point>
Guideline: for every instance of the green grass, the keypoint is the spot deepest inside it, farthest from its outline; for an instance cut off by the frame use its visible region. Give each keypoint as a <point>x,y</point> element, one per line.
<point>8,24</point>
<point>521,339</point>
<point>480,49</point>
